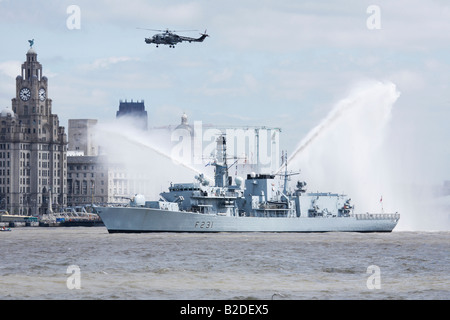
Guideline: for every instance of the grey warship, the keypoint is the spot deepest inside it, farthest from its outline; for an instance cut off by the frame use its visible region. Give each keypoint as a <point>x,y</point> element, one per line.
<point>255,204</point>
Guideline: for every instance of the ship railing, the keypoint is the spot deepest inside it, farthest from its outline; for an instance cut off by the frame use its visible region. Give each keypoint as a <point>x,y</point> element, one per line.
<point>377,216</point>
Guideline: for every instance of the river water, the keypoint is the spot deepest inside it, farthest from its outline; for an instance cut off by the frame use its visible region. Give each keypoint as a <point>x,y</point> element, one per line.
<point>90,263</point>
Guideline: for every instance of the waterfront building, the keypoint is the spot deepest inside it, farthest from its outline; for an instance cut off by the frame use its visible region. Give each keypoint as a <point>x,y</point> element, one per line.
<point>33,163</point>
<point>87,181</point>
<point>81,136</point>
<point>98,180</point>
<point>94,177</point>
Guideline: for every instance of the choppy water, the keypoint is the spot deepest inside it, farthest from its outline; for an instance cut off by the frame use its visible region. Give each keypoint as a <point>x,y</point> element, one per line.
<point>34,262</point>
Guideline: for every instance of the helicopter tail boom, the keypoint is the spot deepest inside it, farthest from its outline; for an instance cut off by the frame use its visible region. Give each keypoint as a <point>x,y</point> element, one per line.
<point>203,37</point>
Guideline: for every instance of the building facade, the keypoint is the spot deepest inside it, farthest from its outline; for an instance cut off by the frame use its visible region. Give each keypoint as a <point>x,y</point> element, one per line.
<point>135,111</point>
<point>97,180</point>
<point>87,181</point>
<point>81,136</point>
<point>92,176</point>
<point>33,159</point>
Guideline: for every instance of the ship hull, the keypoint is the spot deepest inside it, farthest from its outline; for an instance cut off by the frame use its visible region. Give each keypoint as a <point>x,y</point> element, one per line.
<point>140,220</point>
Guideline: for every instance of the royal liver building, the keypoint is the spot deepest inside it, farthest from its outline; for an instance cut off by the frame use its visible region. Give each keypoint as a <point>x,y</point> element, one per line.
<point>33,165</point>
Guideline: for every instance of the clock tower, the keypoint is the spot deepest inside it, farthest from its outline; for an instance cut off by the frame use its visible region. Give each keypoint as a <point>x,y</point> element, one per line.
<point>31,88</point>
<point>33,163</point>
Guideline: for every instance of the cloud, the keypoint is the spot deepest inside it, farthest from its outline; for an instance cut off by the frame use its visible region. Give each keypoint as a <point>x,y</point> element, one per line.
<point>224,75</point>
<point>139,13</point>
<point>226,84</point>
<point>105,63</point>
<point>408,80</point>
<point>287,26</point>
<point>10,68</point>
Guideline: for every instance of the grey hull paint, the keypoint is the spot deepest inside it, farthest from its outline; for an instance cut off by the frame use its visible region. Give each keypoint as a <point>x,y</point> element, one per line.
<point>139,220</point>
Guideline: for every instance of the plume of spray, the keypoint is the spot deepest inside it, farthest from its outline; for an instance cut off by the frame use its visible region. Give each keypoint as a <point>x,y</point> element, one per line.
<point>343,153</point>
<point>363,102</point>
<point>352,151</point>
<point>143,157</point>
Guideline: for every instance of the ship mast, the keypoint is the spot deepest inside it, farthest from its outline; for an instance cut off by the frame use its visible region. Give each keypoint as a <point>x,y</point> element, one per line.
<point>221,174</point>
<point>284,159</point>
<point>285,172</point>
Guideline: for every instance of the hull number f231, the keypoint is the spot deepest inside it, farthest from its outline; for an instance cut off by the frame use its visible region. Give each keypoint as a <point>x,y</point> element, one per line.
<point>203,224</point>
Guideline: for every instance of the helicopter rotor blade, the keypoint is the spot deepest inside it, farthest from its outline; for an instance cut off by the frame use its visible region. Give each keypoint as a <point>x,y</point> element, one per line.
<point>151,29</point>
<point>166,30</point>
<point>183,30</point>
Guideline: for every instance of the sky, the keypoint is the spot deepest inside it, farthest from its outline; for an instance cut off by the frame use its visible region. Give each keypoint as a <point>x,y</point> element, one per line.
<point>283,64</point>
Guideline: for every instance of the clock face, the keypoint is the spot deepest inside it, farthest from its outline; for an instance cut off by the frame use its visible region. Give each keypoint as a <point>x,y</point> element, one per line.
<point>42,94</point>
<point>25,94</point>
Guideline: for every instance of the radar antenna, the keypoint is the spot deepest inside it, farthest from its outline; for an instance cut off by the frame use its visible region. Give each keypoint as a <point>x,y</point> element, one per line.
<point>286,175</point>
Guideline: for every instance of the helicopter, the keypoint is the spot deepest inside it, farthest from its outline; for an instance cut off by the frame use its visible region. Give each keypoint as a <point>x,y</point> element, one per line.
<point>168,37</point>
